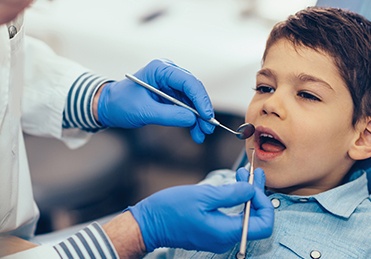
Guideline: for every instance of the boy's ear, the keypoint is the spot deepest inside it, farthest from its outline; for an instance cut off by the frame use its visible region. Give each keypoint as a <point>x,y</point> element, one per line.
<point>361,148</point>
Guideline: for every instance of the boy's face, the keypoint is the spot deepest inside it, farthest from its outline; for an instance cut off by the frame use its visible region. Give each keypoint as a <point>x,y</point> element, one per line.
<point>302,101</point>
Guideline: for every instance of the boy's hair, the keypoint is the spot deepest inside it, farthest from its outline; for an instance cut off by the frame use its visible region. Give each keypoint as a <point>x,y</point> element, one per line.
<point>345,36</point>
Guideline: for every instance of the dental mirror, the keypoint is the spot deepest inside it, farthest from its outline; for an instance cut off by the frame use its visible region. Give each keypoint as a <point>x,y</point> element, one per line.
<point>246,130</point>
<point>243,132</point>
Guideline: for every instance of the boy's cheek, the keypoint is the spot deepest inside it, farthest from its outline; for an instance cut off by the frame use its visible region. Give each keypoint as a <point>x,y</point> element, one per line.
<point>251,114</point>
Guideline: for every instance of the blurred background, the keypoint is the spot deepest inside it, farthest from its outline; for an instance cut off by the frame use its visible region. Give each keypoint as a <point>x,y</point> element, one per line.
<point>219,41</point>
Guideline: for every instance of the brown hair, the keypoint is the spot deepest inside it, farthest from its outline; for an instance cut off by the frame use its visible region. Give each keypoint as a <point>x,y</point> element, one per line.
<point>345,36</point>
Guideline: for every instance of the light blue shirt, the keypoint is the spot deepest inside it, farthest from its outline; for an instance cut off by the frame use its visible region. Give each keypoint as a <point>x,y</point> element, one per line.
<point>332,224</point>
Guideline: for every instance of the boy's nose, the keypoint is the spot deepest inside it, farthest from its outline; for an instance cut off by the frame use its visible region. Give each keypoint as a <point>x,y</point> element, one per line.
<point>275,105</point>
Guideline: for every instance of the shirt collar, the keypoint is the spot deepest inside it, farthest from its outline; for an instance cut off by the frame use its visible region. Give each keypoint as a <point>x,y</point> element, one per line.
<point>343,200</point>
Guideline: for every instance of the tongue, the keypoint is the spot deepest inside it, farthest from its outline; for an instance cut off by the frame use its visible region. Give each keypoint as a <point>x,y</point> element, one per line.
<point>272,146</point>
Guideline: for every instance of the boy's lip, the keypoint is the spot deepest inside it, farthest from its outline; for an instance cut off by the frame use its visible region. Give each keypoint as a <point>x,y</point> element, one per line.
<point>260,152</point>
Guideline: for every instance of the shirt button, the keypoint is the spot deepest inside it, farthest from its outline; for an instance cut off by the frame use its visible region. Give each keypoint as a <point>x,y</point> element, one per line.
<point>303,200</point>
<point>276,203</point>
<point>315,254</point>
<point>12,31</point>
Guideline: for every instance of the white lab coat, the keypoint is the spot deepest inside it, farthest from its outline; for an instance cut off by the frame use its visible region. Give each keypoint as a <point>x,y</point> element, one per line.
<point>34,84</point>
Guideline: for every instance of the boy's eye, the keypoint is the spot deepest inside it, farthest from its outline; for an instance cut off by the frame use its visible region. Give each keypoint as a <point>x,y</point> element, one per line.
<point>264,89</point>
<point>306,95</point>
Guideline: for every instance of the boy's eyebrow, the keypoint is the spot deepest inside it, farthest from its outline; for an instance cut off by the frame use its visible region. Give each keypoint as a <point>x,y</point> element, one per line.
<point>302,77</point>
<point>265,72</point>
<point>310,78</point>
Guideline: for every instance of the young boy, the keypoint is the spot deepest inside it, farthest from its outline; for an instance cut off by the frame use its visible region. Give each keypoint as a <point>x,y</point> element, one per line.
<point>312,113</point>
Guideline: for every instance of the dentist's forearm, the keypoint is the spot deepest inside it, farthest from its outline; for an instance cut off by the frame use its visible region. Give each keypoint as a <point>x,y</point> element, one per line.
<point>11,245</point>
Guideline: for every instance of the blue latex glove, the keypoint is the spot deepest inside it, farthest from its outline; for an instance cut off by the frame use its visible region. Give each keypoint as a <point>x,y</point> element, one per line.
<point>125,104</point>
<point>242,175</point>
<point>188,217</point>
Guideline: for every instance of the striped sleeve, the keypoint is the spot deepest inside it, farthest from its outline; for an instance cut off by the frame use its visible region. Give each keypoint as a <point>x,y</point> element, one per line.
<point>90,242</point>
<point>78,111</point>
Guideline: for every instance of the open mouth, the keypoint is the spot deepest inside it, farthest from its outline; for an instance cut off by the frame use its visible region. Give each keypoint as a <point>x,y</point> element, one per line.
<point>269,143</point>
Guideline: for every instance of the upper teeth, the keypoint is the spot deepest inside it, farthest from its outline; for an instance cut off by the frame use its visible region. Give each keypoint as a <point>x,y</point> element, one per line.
<point>266,135</point>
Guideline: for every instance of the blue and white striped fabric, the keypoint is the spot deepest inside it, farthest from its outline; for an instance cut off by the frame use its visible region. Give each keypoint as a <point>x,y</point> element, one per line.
<point>78,111</point>
<point>90,242</point>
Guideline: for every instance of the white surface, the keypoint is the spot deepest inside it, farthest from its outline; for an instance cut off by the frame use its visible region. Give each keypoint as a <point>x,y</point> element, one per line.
<point>210,38</point>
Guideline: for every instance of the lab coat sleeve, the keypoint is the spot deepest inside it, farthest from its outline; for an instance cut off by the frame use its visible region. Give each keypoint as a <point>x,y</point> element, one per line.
<point>48,78</point>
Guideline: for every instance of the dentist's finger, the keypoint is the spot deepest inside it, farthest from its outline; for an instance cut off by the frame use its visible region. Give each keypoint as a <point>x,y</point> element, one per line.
<point>242,175</point>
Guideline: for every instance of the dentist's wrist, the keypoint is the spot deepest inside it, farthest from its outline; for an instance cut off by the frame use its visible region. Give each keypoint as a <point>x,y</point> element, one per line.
<point>125,235</point>
<point>96,100</point>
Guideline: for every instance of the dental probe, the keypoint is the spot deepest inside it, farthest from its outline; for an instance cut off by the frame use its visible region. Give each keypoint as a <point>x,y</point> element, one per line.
<point>242,253</point>
<point>243,132</point>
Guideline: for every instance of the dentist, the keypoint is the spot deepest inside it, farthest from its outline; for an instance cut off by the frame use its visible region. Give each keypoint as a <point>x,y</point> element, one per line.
<point>39,93</point>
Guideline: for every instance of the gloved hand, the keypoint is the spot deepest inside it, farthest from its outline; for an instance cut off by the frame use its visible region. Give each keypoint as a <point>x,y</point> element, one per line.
<point>242,175</point>
<point>188,217</point>
<point>126,104</point>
